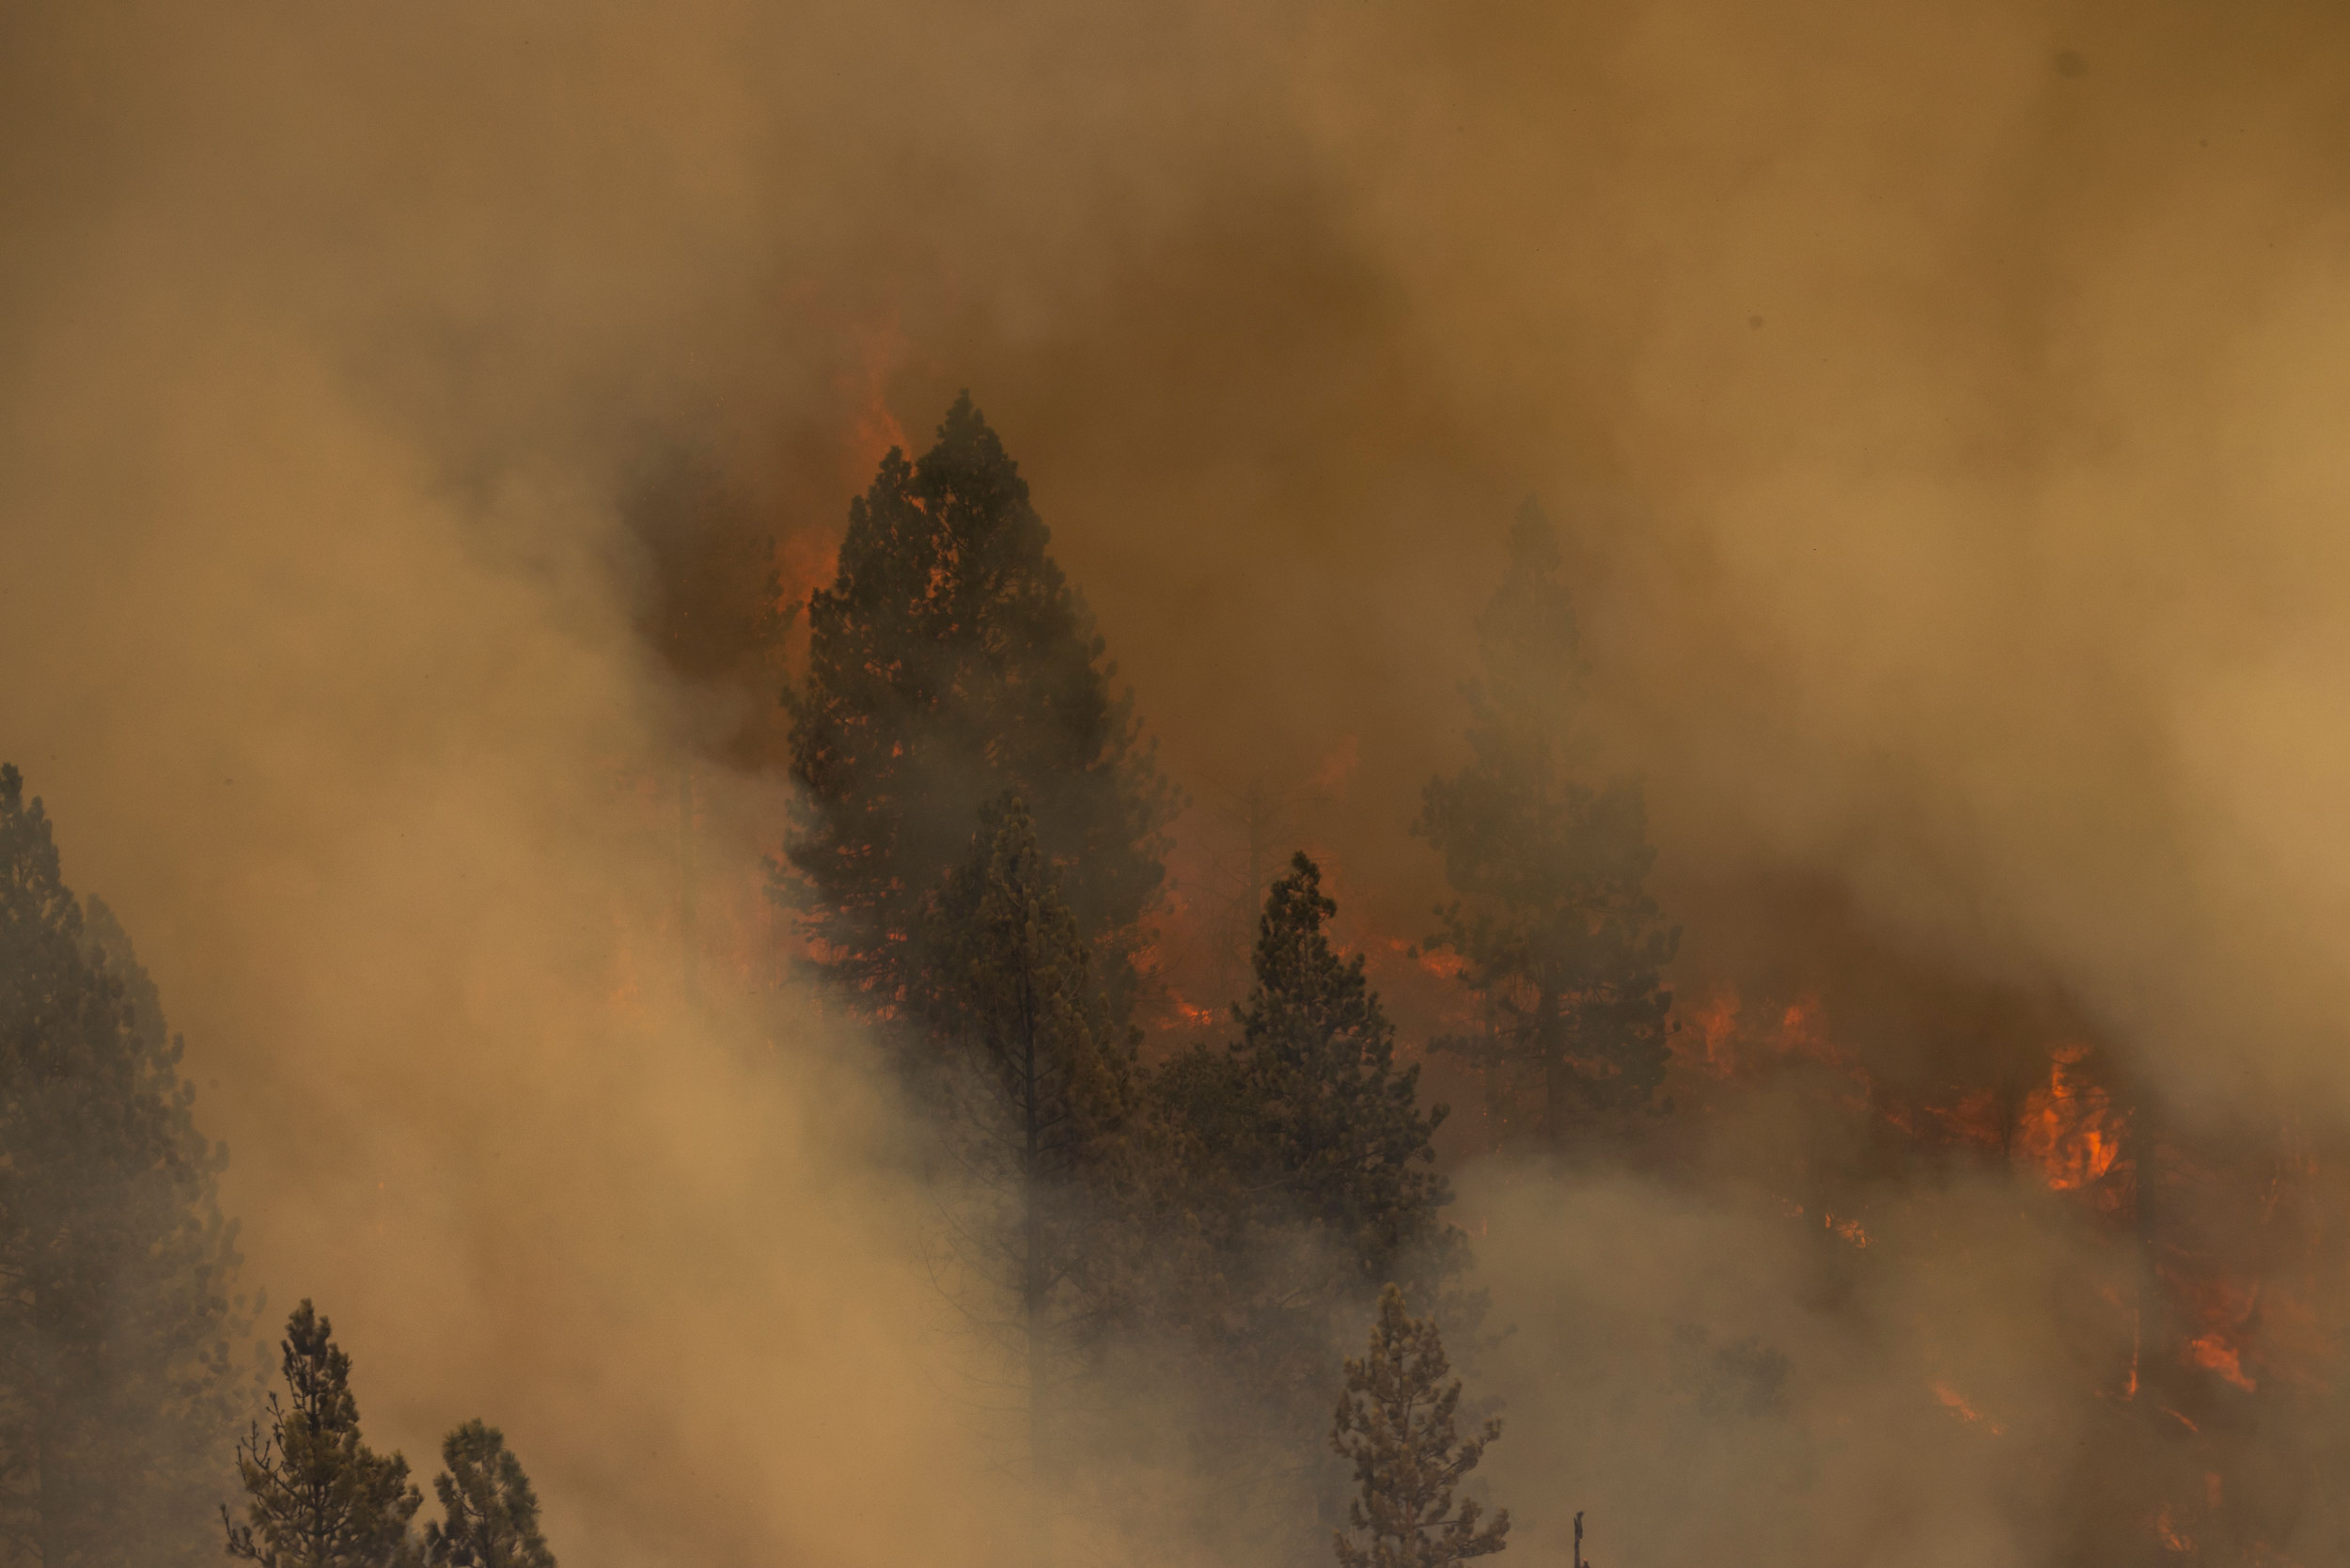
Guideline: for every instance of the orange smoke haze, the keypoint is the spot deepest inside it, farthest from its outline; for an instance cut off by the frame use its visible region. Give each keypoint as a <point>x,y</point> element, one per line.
<point>419,424</point>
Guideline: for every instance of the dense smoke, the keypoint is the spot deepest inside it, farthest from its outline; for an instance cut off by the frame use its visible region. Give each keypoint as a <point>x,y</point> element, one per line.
<point>1940,405</point>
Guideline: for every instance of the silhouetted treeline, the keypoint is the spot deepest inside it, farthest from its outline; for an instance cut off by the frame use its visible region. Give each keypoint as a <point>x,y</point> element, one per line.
<point>950,661</point>
<point>977,853</point>
<point>317,1496</point>
<point>978,858</point>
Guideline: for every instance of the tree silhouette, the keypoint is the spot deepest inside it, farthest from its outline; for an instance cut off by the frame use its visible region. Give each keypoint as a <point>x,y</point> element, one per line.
<point>490,1514</point>
<point>1560,936</point>
<point>316,1495</point>
<point>948,661</point>
<point>1396,1424</point>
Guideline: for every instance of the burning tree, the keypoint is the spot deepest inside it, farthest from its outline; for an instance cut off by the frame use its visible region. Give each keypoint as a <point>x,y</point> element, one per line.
<point>1396,1422</point>
<point>1555,924</point>
<point>950,660</point>
<point>316,1495</point>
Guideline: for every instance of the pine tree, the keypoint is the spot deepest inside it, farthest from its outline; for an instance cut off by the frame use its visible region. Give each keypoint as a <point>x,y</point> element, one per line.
<point>1560,935</point>
<point>119,1386</point>
<point>491,1513</point>
<point>1049,1081</point>
<point>1338,1139</point>
<point>1396,1424</point>
<point>316,1495</point>
<point>1291,1174</point>
<point>949,660</point>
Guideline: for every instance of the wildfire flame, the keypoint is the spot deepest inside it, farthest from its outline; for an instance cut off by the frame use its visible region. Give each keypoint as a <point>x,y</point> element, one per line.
<point>2169,1534</point>
<point>2213,1352</point>
<point>2070,1131</point>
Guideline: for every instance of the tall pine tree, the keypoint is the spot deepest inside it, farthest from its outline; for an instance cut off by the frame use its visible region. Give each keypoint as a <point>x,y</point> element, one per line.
<point>1337,1137</point>
<point>1559,934</point>
<point>949,660</point>
<point>316,1495</point>
<point>120,1392</point>
<point>1291,1175</point>
<point>1398,1426</point>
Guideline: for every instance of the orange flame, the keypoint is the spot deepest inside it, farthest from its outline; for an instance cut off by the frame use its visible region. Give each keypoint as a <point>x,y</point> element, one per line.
<point>2213,1352</point>
<point>2070,1130</point>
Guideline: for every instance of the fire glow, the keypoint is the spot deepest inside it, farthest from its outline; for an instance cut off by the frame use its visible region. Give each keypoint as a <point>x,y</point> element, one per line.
<point>2069,1132</point>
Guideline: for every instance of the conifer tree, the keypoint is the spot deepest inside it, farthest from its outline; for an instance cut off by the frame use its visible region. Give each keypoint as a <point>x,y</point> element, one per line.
<point>490,1514</point>
<point>1338,1139</point>
<point>1291,1175</point>
<point>120,1392</point>
<point>316,1495</point>
<point>1554,922</point>
<point>1396,1426</point>
<point>1049,1081</point>
<point>949,660</point>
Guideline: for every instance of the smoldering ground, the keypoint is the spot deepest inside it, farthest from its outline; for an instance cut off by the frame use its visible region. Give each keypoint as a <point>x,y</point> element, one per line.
<point>1940,406</point>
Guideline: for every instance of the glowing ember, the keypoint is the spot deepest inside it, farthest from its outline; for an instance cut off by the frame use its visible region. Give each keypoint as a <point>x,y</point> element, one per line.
<point>2216,1355</point>
<point>2070,1131</point>
<point>2169,1534</point>
<point>1956,1402</point>
<point>1850,1230</point>
<point>1716,1026</point>
<point>1444,964</point>
<point>1974,1120</point>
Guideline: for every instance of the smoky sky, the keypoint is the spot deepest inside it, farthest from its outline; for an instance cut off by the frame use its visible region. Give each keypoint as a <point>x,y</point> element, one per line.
<point>1941,405</point>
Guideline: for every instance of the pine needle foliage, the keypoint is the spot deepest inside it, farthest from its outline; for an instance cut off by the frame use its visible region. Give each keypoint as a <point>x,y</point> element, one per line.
<point>1339,1137</point>
<point>119,1387</point>
<point>490,1514</point>
<point>950,660</point>
<point>1396,1426</point>
<point>1559,934</point>
<point>1291,1173</point>
<point>1042,1124</point>
<point>316,1495</point>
